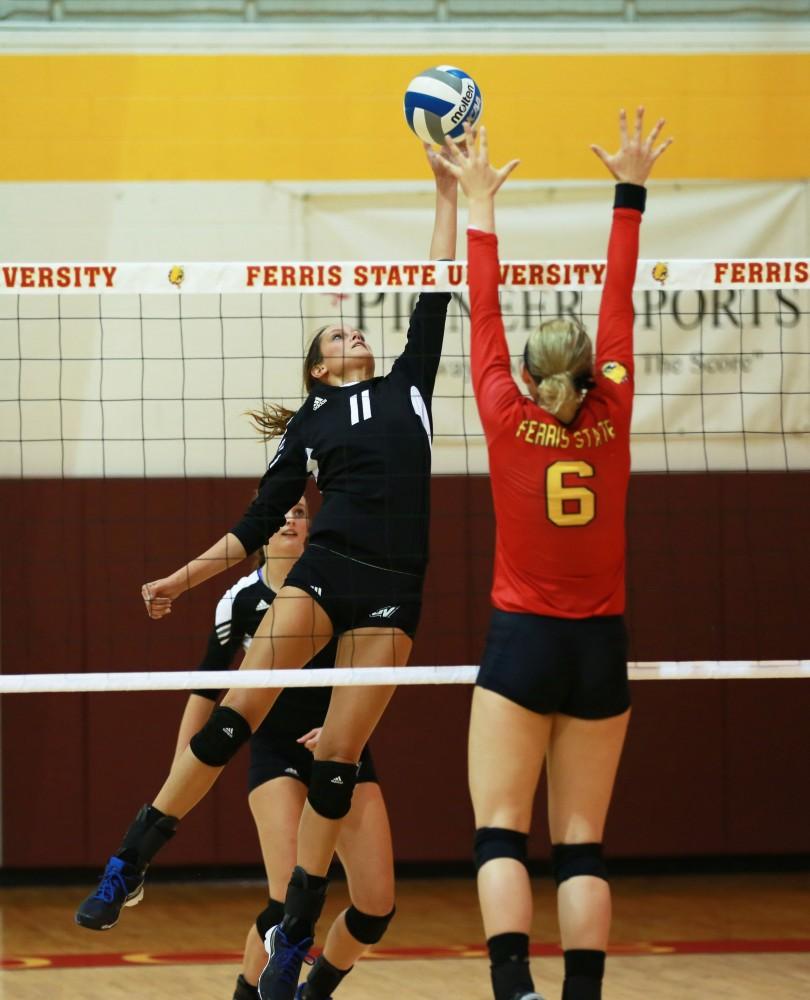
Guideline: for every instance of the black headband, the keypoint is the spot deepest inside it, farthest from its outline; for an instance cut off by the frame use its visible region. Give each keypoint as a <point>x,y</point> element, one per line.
<point>581,382</point>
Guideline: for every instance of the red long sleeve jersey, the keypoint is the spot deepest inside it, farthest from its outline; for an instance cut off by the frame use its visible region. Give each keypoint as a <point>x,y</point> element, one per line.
<point>559,490</point>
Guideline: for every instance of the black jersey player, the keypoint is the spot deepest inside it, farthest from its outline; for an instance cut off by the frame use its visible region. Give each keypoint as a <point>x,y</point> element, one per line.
<point>280,770</point>
<point>368,440</point>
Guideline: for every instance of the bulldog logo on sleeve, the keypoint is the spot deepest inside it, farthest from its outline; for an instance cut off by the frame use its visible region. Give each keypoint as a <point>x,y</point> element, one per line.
<point>615,371</point>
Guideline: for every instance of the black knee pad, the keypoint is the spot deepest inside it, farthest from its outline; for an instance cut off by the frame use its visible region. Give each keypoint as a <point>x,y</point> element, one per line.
<point>271,915</point>
<point>570,860</point>
<point>495,842</point>
<point>220,737</point>
<point>331,788</point>
<point>364,927</point>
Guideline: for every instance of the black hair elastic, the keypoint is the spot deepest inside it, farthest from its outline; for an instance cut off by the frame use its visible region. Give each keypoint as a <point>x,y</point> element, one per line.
<point>584,382</point>
<point>526,363</point>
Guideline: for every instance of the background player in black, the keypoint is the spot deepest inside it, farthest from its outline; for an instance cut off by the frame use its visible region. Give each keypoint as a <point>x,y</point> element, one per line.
<point>280,768</point>
<point>368,440</point>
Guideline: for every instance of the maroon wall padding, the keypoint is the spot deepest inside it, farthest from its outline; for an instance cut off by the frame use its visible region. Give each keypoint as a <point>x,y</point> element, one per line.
<point>716,570</point>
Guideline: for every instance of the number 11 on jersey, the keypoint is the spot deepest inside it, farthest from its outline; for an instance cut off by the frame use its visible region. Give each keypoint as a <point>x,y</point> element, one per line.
<point>365,400</point>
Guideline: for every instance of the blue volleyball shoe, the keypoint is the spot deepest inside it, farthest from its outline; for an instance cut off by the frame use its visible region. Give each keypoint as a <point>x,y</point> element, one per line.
<point>279,978</point>
<point>121,885</point>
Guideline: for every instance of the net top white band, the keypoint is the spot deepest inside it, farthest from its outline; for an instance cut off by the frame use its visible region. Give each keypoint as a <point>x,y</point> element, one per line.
<point>180,680</point>
<point>344,277</point>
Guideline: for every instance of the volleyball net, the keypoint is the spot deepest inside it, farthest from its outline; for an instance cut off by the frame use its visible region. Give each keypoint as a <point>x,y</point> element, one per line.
<point>147,369</point>
<point>119,373</point>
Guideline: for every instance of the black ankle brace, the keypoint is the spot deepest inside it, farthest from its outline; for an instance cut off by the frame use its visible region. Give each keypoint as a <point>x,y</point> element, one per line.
<point>509,968</point>
<point>302,907</point>
<point>584,970</point>
<point>150,831</point>
<point>323,980</point>
<point>244,990</point>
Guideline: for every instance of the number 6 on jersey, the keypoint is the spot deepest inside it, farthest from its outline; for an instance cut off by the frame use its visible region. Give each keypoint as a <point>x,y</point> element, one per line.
<point>569,506</point>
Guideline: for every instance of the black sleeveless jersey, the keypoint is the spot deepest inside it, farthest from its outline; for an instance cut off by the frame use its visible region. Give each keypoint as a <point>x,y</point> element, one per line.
<point>238,613</point>
<point>368,445</point>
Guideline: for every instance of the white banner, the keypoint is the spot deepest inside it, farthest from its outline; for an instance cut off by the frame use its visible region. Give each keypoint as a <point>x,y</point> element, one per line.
<point>345,277</point>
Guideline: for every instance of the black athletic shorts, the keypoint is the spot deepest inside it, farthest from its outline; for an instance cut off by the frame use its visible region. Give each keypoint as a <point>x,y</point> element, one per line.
<point>279,756</point>
<point>356,594</point>
<point>576,666</point>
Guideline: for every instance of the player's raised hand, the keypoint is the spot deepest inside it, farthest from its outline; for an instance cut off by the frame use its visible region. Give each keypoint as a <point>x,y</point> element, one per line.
<point>469,163</point>
<point>634,160</point>
<point>437,159</point>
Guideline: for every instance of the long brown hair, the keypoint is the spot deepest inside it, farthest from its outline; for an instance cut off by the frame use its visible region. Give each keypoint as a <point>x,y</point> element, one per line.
<point>272,419</point>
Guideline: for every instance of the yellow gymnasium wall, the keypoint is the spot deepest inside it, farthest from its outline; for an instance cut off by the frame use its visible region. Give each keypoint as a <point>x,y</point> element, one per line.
<point>136,117</point>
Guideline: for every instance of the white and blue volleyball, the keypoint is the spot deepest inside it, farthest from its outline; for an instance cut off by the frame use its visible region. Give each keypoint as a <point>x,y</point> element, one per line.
<point>440,101</point>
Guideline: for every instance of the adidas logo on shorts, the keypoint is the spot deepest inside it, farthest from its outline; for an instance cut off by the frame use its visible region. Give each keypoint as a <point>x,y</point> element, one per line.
<point>337,781</point>
<point>384,612</point>
<point>316,589</point>
<point>228,731</point>
<point>318,403</point>
<point>291,770</point>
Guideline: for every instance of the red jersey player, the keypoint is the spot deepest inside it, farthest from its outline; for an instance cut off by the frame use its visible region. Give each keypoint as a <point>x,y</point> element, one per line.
<point>553,678</point>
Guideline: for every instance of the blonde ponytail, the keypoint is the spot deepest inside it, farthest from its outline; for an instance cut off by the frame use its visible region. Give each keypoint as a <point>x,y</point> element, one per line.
<point>559,357</point>
<point>555,391</point>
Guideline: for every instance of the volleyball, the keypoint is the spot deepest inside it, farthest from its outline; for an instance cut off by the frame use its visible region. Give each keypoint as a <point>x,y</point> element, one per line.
<point>440,101</point>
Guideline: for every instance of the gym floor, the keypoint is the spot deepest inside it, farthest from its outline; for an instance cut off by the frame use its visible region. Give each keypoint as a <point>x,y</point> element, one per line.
<point>735,937</point>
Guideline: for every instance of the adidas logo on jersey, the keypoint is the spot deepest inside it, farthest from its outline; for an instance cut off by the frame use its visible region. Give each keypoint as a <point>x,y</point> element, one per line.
<point>384,612</point>
<point>337,781</point>
<point>316,589</point>
<point>228,731</point>
<point>262,605</point>
<point>319,401</point>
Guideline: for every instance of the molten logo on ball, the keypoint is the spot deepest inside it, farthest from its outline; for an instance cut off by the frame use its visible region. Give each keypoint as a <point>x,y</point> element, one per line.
<point>458,115</point>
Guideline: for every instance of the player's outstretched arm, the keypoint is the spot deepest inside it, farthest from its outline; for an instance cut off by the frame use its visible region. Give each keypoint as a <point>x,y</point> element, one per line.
<point>445,225</point>
<point>636,156</point>
<point>631,167</point>
<point>479,180</point>
<point>159,594</point>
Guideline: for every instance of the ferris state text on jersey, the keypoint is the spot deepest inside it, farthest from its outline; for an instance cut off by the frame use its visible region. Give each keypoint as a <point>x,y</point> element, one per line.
<point>553,435</point>
<point>538,432</point>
